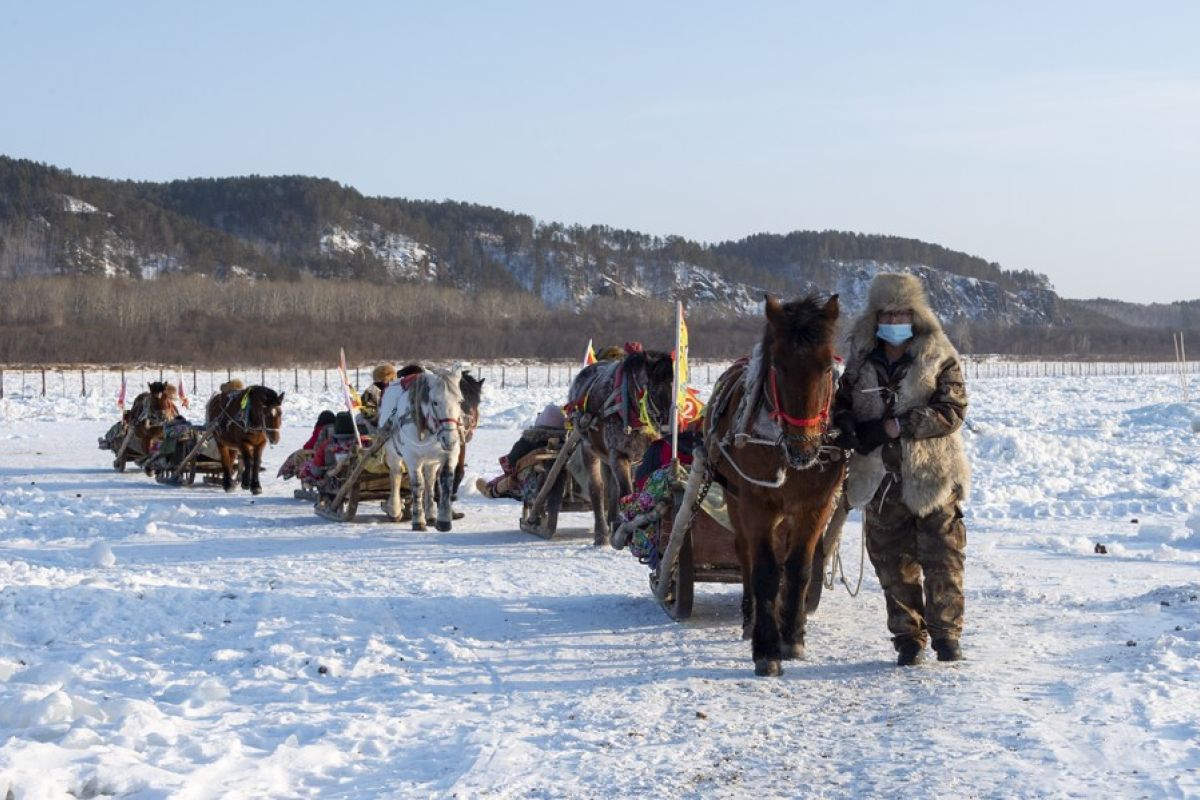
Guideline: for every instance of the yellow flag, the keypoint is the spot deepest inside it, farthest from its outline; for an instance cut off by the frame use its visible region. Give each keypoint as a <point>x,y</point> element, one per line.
<point>682,360</point>
<point>590,356</point>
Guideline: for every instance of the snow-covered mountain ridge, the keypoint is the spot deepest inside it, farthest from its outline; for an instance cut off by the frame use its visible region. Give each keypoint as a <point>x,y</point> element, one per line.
<point>56,223</point>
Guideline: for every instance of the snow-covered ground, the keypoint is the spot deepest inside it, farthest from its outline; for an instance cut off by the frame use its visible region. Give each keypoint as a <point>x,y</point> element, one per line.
<point>161,641</point>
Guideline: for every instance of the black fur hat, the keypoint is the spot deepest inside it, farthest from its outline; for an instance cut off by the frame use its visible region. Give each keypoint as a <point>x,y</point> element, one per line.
<point>343,424</point>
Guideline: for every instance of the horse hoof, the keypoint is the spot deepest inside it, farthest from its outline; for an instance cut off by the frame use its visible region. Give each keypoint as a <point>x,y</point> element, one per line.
<point>229,490</point>
<point>256,490</point>
<point>418,526</point>
<point>792,652</point>
<point>458,515</point>
<point>601,541</point>
<point>443,526</point>
<point>768,667</point>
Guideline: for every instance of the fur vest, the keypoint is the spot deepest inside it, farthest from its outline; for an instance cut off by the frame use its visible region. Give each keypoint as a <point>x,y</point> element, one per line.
<point>932,470</point>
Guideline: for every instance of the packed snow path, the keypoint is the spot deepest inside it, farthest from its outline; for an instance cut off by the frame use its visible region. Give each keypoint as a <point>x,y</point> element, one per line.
<point>159,641</point>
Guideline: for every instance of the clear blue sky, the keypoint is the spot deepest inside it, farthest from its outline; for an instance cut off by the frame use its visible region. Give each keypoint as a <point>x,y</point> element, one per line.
<point>1058,137</point>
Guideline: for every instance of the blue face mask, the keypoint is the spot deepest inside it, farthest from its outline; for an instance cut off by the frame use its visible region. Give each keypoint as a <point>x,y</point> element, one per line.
<point>895,334</point>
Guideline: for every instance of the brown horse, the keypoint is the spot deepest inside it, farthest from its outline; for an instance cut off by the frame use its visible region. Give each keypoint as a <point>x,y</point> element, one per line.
<point>243,421</point>
<point>147,414</point>
<point>765,431</point>
<point>472,392</point>
<point>619,407</point>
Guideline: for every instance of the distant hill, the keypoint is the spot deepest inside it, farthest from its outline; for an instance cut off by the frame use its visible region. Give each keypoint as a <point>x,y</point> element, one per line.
<point>1182,315</point>
<point>53,222</point>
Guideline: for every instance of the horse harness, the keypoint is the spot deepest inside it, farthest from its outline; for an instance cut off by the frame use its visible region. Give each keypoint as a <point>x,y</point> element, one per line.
<point>759,401</point>
<point>627,399</point>
<point>243,404</point>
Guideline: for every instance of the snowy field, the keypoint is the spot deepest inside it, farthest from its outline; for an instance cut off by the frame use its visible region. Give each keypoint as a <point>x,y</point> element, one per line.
<point>170,642</point>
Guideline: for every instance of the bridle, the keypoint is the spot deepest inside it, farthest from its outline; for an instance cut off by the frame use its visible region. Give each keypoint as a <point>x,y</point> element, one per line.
<point>785,420</point>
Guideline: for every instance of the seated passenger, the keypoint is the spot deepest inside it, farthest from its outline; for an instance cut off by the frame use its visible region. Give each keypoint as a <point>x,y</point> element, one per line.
<point>642,511</point>
<point>381,376</point>
<point>550,424</point>
<point>325,456</point>
<point>295,462</point>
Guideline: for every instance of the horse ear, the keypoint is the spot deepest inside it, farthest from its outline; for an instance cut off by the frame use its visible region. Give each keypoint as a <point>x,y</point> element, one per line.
<point>775,314</point>
<point>281,394</point>
<point>832,308</point>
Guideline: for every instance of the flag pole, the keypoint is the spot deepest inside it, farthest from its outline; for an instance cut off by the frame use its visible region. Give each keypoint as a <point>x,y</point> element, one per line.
<point>349,398</point>
<point>675,387</point>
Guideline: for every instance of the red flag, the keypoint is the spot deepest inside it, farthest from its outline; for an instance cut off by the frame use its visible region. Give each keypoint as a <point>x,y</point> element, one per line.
<point>121,396</point>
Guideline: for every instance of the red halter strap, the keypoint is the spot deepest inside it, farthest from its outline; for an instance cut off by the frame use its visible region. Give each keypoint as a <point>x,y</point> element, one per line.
<point>779,415</point>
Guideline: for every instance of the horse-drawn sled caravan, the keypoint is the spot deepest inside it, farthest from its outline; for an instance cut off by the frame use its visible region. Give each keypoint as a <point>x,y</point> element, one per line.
<point>741,491</point>
<point>160,440</point>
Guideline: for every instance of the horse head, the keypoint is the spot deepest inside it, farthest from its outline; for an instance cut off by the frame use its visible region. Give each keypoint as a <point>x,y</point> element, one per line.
<point>653,374</point>
<point>438,406</point>
<point>266,411</point>
<point>157,406</point>
<point>472,394</point>
<point>798,350</point>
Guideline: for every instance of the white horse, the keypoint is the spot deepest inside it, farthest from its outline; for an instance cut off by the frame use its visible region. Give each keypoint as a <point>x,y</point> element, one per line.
<point>426,437</point>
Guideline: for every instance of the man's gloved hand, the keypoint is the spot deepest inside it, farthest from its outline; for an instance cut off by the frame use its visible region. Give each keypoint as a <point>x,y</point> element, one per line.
<point>870,436</point>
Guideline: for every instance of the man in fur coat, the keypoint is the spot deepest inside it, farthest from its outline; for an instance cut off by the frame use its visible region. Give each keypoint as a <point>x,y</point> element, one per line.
<point>900,405</point>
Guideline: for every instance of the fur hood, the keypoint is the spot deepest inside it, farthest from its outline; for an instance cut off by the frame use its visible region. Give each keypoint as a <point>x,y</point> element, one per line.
<point>893,291</point>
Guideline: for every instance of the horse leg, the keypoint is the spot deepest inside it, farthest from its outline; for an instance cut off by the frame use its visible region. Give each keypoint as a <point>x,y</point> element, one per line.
<point>145,439</point>
<point>445,515</point>
<point>596,492</point>
<point>764,643</point>
<point>245,463</point>
<point>460,469</point>
<point>226,466</point>
<point>255,463</point>
<point>416,478</point>
<point>395,473</point>
<point>797,570</point>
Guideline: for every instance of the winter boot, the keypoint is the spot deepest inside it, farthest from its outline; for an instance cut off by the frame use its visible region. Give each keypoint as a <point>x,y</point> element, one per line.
<point>947,650</point>
<point>909,653</point>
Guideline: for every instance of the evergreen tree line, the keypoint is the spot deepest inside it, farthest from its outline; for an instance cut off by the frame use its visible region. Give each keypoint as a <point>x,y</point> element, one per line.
<point>198,321</point>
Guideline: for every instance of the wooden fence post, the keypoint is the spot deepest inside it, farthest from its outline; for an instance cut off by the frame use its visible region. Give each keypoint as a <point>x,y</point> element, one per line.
<point>43,381</point>
<point>501,376</point>
<point>1,383</point>
<point>296,378</point>
<point>82,384</point>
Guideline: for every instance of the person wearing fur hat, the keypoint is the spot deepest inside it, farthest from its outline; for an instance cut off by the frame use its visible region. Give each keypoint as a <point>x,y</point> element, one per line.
<point>899,406</point>
<point>381,376</point>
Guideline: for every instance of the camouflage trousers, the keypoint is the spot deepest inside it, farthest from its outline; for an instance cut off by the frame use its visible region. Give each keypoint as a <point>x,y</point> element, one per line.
<point>904,548</point>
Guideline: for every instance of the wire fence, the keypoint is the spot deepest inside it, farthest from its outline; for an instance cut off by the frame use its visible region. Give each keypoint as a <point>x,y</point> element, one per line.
<point>64,381</point>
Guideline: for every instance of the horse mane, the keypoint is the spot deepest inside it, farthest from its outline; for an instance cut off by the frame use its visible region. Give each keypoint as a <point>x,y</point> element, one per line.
<point>807,325</point>
<point>656,364</point>
<point>418,396</point>
<point>268,396</point>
